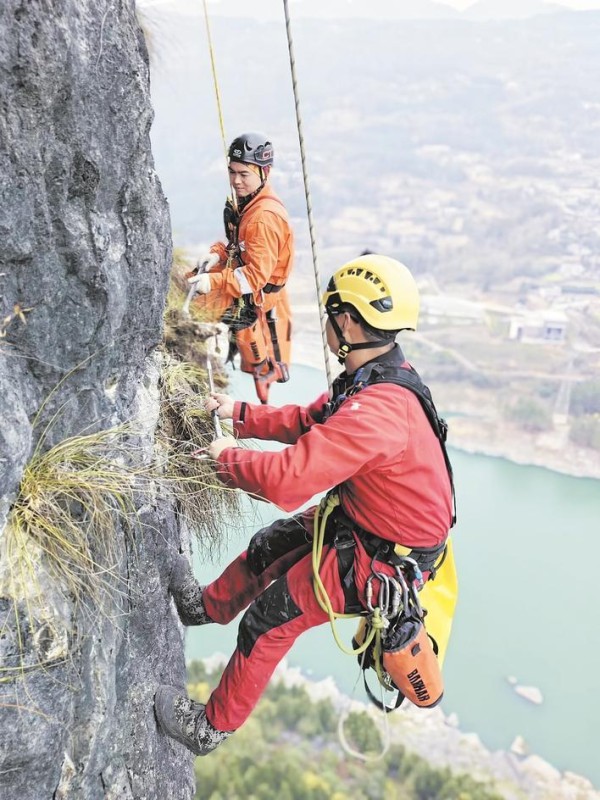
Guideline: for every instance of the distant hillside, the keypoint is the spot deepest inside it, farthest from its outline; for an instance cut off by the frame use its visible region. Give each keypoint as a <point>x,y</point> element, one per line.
<point>510,9</point>
<point>337,9</point>
<point>267,10</point>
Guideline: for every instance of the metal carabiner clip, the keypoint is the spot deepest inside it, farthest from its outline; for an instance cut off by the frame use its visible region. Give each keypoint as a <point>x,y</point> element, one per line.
<point>416,570</point>
<point>404,586</point>
<point>369,593</point>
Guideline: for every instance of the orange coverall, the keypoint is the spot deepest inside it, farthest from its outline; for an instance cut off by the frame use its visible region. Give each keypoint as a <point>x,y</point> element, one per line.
<point>265,257</point>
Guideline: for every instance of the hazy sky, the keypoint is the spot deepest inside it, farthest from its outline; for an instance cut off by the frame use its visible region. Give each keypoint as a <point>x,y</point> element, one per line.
<point>578,4</point>
<point>196,5</point>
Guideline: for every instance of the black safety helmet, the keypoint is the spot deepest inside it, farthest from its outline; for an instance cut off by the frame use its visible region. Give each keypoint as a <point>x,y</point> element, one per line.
<point>252,148</point>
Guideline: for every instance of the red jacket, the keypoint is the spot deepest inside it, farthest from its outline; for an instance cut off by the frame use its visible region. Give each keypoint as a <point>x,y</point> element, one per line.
<point>378,448</point>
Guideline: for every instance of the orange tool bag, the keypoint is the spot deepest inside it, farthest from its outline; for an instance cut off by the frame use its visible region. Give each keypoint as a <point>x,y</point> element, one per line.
<point>264,348</point>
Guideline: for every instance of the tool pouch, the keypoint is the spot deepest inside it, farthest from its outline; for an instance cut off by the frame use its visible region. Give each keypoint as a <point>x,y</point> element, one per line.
<point>409,659</point>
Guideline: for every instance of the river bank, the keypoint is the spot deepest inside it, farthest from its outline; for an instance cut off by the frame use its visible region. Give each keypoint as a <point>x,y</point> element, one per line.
<point>551,450</point>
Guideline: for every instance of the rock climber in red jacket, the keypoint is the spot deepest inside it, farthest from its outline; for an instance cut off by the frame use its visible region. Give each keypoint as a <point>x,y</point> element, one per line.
<point>372,442</point>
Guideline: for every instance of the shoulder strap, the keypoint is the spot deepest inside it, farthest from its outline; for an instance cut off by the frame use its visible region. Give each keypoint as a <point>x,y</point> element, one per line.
<point>231,221</point>
<point>409,378</point>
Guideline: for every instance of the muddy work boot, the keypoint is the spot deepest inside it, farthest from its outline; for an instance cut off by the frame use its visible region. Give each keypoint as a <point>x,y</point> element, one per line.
<point>187,594</point>
<point>184,720</point>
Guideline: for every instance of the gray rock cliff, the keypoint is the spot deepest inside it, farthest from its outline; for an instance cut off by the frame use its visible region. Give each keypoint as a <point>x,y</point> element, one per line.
<point>85,254</point>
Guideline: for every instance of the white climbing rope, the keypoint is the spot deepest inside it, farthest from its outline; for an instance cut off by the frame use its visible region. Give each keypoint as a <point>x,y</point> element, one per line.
<point>311,228</point>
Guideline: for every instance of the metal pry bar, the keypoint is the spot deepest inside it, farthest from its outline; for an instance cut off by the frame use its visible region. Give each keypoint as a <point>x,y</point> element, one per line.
<point>214,414</point>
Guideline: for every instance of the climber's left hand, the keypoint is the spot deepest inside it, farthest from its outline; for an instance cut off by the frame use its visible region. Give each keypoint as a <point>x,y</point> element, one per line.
<point>215,448</point>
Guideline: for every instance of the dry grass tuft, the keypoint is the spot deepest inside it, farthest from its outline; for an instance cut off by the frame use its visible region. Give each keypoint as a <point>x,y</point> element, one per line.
<point>69,500</point>
<point>59,550</point>
<point>185,427</point>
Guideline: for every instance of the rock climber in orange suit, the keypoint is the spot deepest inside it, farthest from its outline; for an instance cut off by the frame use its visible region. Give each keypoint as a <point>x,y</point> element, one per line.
<point>243,281</point>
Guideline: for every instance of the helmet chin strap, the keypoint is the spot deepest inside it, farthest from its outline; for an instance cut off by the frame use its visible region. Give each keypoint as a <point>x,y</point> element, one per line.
<point>345,348</point>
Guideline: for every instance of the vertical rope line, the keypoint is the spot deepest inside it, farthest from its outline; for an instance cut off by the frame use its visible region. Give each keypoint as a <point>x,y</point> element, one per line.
<point>214,76</point>
<point>217,94</point>
<point>311,230</point>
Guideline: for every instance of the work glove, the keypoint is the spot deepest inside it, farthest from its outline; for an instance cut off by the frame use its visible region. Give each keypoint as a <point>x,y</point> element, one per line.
<point>207,262</point>
<point>215,448</point>
<point>200,283</point>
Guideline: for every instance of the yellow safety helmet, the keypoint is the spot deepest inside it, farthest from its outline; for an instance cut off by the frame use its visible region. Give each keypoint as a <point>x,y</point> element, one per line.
<point>381,289</point>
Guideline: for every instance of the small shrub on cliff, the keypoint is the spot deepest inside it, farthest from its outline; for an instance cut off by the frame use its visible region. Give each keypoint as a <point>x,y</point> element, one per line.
<point>60,549</point>
<point>61,538</point>
<point>68,502</point>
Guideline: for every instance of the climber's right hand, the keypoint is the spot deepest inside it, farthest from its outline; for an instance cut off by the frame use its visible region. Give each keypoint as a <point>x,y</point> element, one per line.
<point>221,403</point>
<point>200,283</point>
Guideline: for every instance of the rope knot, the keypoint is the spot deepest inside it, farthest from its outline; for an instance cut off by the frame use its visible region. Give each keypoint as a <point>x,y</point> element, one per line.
<point>333,500</point>
<point>378,622</point>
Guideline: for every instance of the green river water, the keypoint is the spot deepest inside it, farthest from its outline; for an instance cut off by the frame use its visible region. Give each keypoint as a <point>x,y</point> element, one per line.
<point>526,543</point>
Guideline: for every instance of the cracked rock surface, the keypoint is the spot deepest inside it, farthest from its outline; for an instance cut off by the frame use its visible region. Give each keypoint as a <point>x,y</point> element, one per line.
<point>85,255</point>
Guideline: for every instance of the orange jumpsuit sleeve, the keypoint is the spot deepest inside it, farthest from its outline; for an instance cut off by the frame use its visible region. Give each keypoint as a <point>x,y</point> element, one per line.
<point>221,250</point>
<point>264,240</point>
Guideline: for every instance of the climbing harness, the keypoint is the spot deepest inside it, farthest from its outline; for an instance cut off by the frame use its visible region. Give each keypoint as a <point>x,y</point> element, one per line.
<point>391,636</point>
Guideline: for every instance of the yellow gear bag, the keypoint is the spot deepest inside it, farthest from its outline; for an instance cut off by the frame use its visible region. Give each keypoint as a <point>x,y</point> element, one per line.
<point>439,597</point>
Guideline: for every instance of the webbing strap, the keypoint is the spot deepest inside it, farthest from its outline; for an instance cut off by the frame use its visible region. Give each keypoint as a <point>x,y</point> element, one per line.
<point>322,513</point>
<point>408,378</point>
<point>345,545</point>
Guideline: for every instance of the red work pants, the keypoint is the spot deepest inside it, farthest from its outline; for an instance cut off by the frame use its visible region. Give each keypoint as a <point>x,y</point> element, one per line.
<point>274,578</point>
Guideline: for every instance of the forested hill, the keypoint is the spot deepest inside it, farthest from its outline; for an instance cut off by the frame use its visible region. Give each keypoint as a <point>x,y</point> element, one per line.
<point>469,148</point>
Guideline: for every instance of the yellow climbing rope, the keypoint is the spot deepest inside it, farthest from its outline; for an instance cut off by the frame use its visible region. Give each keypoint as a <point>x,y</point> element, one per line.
<point>213,66</point>
<point>215,81</point>
<point>376,623</point>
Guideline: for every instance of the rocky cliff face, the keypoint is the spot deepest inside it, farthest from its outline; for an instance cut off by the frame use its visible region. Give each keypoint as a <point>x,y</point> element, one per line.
<point>85,252</point>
